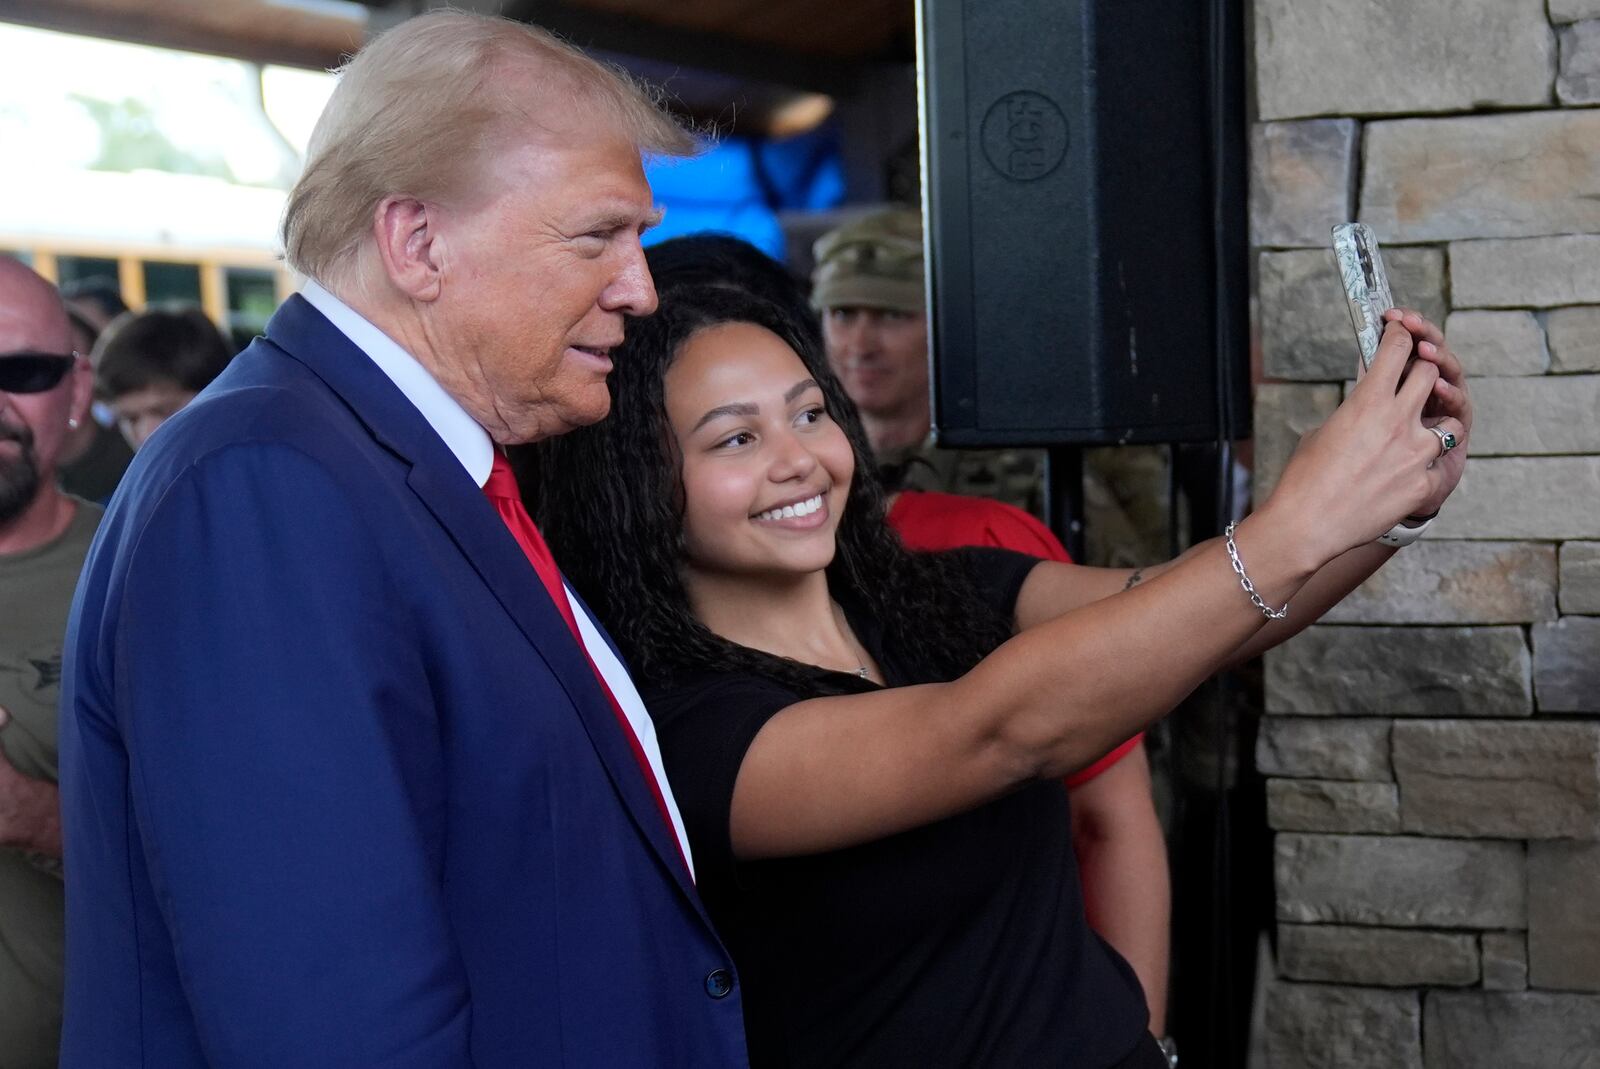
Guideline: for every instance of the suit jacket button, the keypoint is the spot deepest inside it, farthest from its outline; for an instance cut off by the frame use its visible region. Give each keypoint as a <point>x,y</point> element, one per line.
<point>718,983</point>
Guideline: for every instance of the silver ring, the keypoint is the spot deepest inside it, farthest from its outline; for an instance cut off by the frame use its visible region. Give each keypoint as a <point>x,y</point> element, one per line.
<point>1447,439</point>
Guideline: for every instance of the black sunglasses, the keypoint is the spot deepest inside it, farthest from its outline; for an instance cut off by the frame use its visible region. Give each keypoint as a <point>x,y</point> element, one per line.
<point>31,372</point>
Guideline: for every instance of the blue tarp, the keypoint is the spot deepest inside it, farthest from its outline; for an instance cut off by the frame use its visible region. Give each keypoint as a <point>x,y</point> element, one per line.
<point>738,186</point>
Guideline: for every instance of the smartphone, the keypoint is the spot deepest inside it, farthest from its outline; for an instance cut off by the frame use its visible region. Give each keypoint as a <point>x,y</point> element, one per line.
<point>1366,286</point>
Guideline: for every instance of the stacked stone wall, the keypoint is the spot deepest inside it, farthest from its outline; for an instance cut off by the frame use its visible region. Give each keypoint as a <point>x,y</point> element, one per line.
<point>1433,747</point>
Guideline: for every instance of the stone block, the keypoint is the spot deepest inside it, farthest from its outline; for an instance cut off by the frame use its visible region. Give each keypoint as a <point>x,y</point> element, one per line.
<point>1505,961</point>
<point>1445,582</point>
<point>1482,176</point>
<point>1324,748</point>
<point>1284,413</point>
<point>1392,671</point>
<point>1580,577</point>
<point>1573,10</point>
<point>1564,916</point>
<point>1539,414</point>
<point>1481,1030</point>
<point>1400,881</point>
<point>1524,497</point>
<point>1525,272</point>
<point>1350,57</point>
<point>1383,957</point>
<point>1305,322</point>
<point>1498,343</point>
<point>1318,1026</point>
<point>1510,780</point>
<point>1302,180</point>
<point>1566,665</point>
<point>1332,806</point>
<point>1578,72</point>
<point>1574,339</point>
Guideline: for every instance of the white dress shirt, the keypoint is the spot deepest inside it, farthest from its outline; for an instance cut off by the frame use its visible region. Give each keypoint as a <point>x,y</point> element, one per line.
<point>473,447</point>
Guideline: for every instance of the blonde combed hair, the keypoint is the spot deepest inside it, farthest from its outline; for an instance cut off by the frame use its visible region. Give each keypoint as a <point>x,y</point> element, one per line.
<point>418,109</point>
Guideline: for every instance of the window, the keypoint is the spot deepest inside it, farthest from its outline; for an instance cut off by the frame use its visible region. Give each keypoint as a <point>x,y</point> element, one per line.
<point>165,282</point>
<point>70,269</point>
<point>252,296</point>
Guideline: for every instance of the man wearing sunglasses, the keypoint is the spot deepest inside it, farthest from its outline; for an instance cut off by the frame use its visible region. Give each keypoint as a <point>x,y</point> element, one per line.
<point>44,536</point>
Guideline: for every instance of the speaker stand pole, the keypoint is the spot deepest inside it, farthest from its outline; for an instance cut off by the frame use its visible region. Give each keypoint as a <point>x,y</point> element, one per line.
<point>1063,496</point>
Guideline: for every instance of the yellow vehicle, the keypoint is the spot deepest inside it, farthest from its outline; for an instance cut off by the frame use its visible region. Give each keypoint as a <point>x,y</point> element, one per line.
<point>237,287</point>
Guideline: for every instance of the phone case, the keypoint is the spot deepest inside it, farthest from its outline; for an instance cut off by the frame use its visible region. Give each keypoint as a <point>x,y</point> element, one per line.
<point>1366,286</point>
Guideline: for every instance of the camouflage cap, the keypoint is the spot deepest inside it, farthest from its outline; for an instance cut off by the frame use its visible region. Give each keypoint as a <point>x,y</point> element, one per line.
<point>874,262</point>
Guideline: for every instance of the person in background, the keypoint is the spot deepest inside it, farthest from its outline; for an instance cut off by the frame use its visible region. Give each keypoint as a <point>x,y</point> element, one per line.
<point>349,779</point>
<point>867,742</point>
<point>44,535</point>
<point>868,285</point>
<point>96,299</point>
<point>94,455</point>
<point>149,364</point>
<point>1122,859</point>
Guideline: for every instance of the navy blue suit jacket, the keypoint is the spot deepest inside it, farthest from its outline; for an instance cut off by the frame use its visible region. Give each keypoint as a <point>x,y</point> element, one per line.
<point>340,788</point>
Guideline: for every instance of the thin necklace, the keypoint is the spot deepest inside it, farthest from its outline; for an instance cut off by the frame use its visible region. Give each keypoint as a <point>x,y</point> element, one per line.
<point>862,671</point>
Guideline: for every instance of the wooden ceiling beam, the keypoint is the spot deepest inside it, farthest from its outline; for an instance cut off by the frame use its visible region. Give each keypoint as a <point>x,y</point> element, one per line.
<point>244,29</point>
<point>719,52</point>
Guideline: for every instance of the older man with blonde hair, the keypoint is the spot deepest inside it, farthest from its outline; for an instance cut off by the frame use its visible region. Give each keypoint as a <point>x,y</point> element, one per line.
<point>349,777</point>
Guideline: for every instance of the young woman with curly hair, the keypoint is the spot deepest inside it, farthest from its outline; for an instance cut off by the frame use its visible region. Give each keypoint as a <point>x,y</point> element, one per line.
<point>866,743</point>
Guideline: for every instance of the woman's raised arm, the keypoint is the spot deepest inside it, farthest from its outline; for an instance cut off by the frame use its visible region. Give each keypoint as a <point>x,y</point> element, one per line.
<point>831,772</point>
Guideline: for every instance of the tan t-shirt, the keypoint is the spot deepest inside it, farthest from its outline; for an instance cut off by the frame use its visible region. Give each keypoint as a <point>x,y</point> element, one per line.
<point>35,593</point>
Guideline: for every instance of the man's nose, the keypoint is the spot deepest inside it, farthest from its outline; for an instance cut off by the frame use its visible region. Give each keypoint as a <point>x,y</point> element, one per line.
<point>858,337</point>
<point>632,291</point>
<point>144,428</point>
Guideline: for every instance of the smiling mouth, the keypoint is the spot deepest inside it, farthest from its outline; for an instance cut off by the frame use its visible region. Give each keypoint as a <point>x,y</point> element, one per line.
<point>789,512</point>
<point>599,352</point>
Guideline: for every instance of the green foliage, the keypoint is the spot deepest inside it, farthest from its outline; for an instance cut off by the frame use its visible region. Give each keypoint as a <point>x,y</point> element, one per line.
<point>130,140</point>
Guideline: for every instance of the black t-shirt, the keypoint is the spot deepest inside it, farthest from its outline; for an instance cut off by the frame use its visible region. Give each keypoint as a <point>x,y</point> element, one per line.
<point>961,943</point>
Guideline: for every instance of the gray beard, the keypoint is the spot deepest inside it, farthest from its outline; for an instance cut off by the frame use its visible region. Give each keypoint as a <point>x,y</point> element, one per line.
<point>19,478</point>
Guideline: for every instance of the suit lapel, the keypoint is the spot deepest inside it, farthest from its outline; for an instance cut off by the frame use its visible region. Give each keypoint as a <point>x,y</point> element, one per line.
<point>444,488</point>
<point>462,510</point>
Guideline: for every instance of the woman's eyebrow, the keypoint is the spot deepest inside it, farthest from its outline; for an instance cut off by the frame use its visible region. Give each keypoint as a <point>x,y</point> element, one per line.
<point>799,388</point>
<point>738,408</point>
<point>745,408</point>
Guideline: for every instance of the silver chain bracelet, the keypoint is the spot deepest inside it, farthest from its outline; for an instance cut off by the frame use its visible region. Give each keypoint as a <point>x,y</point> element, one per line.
<point>1244,580</point>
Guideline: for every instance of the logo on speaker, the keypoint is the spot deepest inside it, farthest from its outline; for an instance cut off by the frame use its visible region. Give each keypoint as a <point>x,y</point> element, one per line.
<point>1024,135</point>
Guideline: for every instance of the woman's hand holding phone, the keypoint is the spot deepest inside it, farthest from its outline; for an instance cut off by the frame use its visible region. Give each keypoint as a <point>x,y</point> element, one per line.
<point>1376,461</point>
<point>1449,405</point>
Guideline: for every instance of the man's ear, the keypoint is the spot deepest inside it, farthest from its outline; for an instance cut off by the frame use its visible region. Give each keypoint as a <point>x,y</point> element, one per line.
<point>404,232</point>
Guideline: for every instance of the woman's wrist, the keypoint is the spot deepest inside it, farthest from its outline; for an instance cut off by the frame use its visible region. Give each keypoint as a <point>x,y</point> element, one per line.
<point>1286,542</point>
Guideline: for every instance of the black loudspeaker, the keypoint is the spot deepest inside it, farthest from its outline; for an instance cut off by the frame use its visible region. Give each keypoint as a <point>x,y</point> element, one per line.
<point>1085,210</point>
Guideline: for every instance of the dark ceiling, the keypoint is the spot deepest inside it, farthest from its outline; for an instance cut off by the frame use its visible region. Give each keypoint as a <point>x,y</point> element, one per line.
<point>735,63</point>
<point>803,44</point>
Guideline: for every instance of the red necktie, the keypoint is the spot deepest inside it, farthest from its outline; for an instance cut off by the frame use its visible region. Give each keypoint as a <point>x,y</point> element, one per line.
<point>502,492</point>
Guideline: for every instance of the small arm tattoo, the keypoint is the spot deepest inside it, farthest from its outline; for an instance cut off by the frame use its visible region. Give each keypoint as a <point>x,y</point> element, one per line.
<point>1134,580</point>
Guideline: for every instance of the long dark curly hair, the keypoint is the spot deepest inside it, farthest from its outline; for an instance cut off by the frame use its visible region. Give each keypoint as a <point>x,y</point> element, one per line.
<point>608,499</point>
